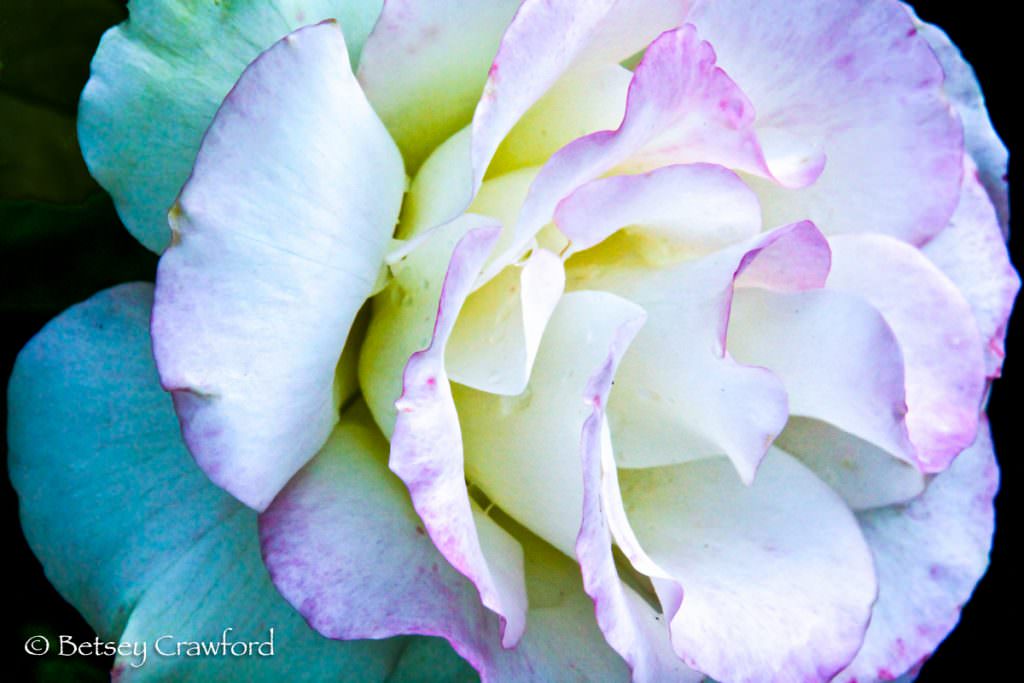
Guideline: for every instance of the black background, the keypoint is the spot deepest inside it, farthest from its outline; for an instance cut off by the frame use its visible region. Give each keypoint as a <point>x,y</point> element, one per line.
<point>61,241</point>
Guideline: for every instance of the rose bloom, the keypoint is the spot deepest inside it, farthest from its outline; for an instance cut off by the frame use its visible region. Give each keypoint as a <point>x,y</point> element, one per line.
<point>611,340</point>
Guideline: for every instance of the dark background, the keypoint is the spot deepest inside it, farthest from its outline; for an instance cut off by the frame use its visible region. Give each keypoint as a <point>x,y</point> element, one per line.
<point>61,242</point>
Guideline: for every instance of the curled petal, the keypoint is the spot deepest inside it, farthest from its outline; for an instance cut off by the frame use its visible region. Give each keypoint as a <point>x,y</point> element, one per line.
<point>706,562</point>
<point>854,80</point>
<point>280,235</point>
<point>543,41</point>
<point>694,208</point>
<point>405,313</point>
<point>934,326</point>
<point>496,336</point>
<point>521,451</point>
<point>679,394</point>
<point>750,570</point>
<point>681,108</point>
<point>838,359</point>
<point>629,624</point>
<point>496,339</point>
<point>346,548</point>
<point>427,454</point>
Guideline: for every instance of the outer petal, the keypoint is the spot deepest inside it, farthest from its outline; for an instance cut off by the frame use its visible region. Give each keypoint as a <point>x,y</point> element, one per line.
<point>425,64</point>
<point>934,325</point>
<point>838,359</point>
<point>694,209</point>
<point>929,555</point>
<point>972,252</point>
<point>433,655</point>
<point>679,395</point>
<point>980,138</point>
<point>280,234</point>
<point>346,548</point>
<point>426,453</point>
<point>854,80</point>
<point>127,528</point>
<point>751,570</point>
<point>158,79</point>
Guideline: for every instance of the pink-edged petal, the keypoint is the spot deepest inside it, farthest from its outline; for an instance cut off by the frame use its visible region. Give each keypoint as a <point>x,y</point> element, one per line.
<point>427,453</point>
<point>943,357</point>
<point>754,604</point>
<point>578,64</point>
<point>863,474</point>
<point>838,359</point>
<point>497,333</point>
<point>522,451</point>
<point>929,555</point>
<point>980,139</point>
<point>972,253</point>
<point>586,99</point>
<point>736,573</point>
<point>679,394</point>
<point>695,209</point>
<point>630,625</point>
<point>495,341</point>
<point>681,108</point>
<point>853,79</point>
<point>543,41</point>
<point>280,234</point>
<point>424,66</point>
<point>405,313</point>
<point>563,642</point>
<point>345,547</point>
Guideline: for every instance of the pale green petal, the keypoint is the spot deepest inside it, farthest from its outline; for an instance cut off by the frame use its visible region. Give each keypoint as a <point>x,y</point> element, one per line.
<point>158,78</point>
<point>127,527</point>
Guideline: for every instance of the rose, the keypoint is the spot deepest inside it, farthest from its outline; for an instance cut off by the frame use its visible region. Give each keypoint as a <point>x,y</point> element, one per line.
<point>281,232</point>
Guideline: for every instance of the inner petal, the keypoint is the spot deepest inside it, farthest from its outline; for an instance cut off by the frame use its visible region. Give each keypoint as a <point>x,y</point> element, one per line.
<point>864,475</point>
<point>749,560</point>
<point>523,451</point>
<point>679,394</point>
